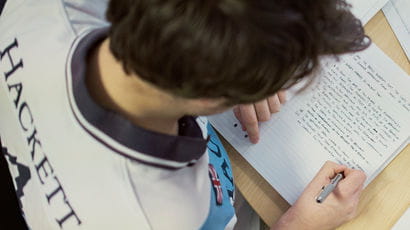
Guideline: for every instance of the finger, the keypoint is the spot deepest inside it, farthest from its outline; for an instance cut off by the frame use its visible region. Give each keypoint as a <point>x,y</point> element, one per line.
<point>330,169</point>
<point>274,103</point>
<point>282,96</point>
<point>237,113</point>
<point>324,176</point>
<point>352,183</point>
<point>262,110</point>
<point>238,116</point>
<point>250,121</point>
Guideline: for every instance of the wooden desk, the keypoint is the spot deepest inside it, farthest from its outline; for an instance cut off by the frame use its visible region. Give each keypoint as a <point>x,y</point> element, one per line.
<point>382,202</point>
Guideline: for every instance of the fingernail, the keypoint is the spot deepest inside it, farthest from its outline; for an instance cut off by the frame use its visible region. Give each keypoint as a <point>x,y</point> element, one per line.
<point>254,140</point>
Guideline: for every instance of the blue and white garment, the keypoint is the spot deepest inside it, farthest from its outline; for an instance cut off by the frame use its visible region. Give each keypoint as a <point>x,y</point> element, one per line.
<point>77,165</point>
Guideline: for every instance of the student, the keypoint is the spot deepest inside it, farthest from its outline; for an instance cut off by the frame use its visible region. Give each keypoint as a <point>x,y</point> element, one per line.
<point>99,119</point>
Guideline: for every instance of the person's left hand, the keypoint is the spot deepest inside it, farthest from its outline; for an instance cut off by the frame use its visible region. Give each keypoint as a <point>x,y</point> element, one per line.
<point>250,114</point>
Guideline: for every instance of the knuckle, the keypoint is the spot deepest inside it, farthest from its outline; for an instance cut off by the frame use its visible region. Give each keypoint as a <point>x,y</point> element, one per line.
<point>351,210</point>
<point>351,216</point>
<point>344,191</point>
<point>330,163</point>
<point>351,207</point>
<point>362,175</point>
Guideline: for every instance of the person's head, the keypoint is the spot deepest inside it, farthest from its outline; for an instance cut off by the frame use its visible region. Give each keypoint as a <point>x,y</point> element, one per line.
<point>238,50</point>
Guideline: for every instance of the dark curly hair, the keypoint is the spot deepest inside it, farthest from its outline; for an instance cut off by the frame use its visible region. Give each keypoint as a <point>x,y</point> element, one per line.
<point>241,50</point>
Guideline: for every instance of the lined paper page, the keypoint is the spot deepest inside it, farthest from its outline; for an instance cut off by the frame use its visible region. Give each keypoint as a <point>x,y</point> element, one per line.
<point>357,114</point>
<point>397,13</point>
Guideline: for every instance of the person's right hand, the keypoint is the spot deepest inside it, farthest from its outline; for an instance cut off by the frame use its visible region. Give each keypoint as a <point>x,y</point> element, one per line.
<point>339,207</point>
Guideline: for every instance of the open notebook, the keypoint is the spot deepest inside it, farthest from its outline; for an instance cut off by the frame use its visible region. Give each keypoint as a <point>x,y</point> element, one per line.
<point>357,114</point>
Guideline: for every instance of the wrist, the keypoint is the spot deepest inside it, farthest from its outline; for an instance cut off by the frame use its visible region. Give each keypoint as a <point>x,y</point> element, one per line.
<point>291,220</point>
